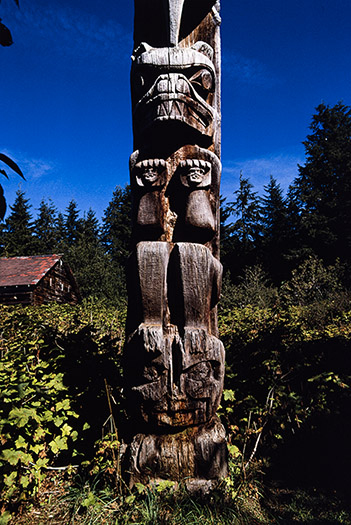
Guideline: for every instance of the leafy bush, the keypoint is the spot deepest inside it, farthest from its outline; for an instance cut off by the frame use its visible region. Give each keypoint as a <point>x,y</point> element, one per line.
<point>311,282</point>
<point>54,361</point>
<point>253,289</point>
<point>289,377</point>
<point>288,374</point>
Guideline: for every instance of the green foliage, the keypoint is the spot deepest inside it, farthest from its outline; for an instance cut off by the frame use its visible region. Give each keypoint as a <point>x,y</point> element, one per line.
<point>253,288</point>
<point>323,186</point>
<point>311,283</point>
<point>287,372</point>
<point>46,403</point>
<point>242,234</point>
<point>274,240</point>
<point>45,228</point>
<point>18,233</point>
<point>117,226</point>
<point>284,374</point>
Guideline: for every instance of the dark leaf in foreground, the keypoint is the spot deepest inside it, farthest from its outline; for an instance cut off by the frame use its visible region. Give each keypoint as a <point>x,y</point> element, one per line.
<point>2,204</point>
<point>11,164</point>
<point>5,36</point>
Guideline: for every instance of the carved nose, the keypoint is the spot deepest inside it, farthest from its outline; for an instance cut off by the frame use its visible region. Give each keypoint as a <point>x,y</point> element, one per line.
<point>164,84</point>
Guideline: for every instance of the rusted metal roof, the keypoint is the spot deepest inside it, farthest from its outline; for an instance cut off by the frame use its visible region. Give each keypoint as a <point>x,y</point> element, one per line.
<point>22,271</point>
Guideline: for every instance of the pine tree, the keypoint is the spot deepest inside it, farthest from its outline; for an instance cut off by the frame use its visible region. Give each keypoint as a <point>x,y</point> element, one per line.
<point>245,231</point>
<point>117,226</point>
<point>18,233</point>
<point>45,228</point>
<point>323,185</point>
<point>226,230</point>
<point>246,207</point>
<point>61,244</point>
<point>72,223</point>
<point>274,231</point>
<point>87,259</point>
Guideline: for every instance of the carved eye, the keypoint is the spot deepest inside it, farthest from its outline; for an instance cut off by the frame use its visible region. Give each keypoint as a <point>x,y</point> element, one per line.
<point>204,79</point>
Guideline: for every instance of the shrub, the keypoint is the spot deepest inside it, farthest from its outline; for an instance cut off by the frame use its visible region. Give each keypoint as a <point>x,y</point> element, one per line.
<point>54,360</point>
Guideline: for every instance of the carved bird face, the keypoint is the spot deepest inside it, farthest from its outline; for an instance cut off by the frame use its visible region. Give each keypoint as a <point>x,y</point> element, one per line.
<point>174,84</point>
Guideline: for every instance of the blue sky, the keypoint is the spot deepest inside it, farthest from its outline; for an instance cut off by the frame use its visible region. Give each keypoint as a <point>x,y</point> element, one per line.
<point>65,99</point>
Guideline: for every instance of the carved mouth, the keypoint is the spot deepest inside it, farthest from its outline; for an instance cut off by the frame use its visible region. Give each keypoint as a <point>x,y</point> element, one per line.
<point>178,107</point>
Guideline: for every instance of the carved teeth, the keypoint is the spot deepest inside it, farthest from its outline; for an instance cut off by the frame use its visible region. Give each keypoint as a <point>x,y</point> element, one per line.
<point>195,163</point>
<point>151,163</point>
<point>162,110</point>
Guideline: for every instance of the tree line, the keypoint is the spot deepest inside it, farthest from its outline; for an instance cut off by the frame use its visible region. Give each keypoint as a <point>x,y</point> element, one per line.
<point>273,233</point>
<point>97,253</point>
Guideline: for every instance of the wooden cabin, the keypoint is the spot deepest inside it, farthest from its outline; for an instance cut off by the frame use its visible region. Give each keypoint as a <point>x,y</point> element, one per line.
<point>36,280</point>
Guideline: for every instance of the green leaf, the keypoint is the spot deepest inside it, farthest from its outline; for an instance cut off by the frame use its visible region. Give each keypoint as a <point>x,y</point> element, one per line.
<point>5,518</point>
<point>58,421</point>
<point>89,500</point>
<point>21,442</point>
<point>24,481</point>
<point>229,395</point>
<point>21,416</point>
<point>57,444</point>
<point>63,405</point>
<point>234,451</point>
<point>11,456</point>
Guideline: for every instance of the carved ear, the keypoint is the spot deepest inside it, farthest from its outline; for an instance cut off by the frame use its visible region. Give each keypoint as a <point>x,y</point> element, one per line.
<point>141,49</point>
<point>204,48</point>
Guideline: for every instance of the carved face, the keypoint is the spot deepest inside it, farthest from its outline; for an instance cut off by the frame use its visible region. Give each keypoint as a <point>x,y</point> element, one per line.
<point>195,173</point>
<point>176,388</point>
<point>174,84</point>
<point>151,172</point>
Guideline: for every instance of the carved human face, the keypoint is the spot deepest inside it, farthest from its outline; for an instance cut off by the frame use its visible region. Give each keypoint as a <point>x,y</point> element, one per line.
<point>151,172</point>
<point>150,175</point>
<point>175,388</point>
<point>196,175</point>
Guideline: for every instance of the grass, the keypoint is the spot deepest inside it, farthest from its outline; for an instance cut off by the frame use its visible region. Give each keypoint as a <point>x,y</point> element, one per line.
<point>88,501</point>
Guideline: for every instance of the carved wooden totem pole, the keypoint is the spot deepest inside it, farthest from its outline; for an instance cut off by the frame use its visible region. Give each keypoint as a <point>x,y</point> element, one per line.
<point>174,361</point>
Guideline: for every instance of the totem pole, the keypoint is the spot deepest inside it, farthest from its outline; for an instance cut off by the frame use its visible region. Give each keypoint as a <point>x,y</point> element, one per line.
<point>174,361</point>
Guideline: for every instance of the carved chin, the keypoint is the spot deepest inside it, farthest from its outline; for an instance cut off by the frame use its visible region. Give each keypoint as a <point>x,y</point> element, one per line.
<point>175,107</point>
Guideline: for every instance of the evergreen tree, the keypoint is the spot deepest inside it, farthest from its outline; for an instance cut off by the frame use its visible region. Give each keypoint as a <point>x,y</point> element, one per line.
<point>246,207</point>
<point>18,233</point>
<point>117,226</point>
<point>45,228</point>
<point>323,186</point>
<point>61,244</point>
<point>274,231</point>
<point>226,231</point>
<point>87,259</point>
<point>2,239</point>
<point>72,223</point>
<point>245,231</point>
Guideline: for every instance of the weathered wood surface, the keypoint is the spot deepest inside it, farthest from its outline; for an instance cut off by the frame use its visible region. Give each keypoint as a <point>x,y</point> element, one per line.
<point>174,361</point>
<point>197,455</point>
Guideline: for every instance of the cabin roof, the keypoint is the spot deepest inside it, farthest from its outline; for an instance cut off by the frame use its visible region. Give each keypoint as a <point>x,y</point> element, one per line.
<point>22,271</point>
